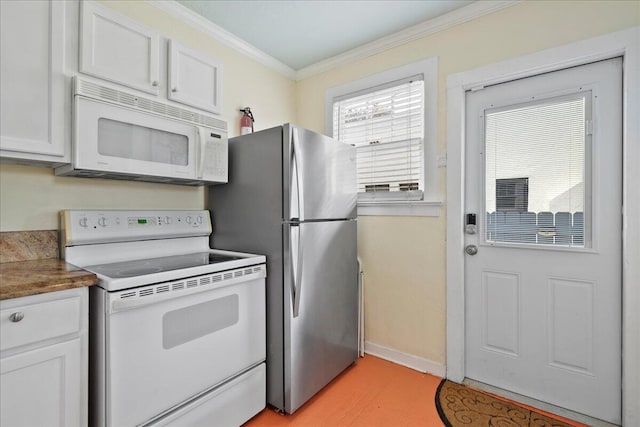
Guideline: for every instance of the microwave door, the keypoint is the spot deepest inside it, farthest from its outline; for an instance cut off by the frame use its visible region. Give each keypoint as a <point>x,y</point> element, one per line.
<point>121,140</point>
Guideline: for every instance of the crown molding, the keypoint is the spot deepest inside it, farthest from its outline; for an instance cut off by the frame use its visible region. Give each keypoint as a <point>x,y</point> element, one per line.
<point>179,11</point>
<point>448,20</point>
<point>453,18</point>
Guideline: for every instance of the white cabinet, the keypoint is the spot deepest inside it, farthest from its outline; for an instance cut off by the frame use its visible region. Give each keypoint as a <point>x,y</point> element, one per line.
<point>195,79</point>
<point>40,387</point>
<point>43,359</point>
<point>35,102</point>
<point>116,48</point>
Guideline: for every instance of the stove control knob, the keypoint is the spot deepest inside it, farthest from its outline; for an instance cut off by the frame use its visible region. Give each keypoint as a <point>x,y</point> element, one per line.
<point>102,222</point>
<point>167,220</point>
<point>189,220</point>
<point>83,222</point>
<point>199,220</point>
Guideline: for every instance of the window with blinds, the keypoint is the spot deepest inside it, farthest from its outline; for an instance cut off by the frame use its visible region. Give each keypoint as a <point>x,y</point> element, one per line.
<point>386,125</point>
<point>537,172</point>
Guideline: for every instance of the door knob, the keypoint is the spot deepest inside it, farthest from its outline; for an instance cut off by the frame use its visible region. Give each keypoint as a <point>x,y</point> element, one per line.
<point>471,249</point>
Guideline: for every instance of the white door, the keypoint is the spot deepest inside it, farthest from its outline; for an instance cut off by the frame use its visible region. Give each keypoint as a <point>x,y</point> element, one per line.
<point>32,82</point>
<point>543,290</point>
<point>43,387</point>
<point>195,79</point>
<point>119,49</point>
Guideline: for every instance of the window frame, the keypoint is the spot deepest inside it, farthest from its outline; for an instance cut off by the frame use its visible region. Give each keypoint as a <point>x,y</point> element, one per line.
<point>430,203</point>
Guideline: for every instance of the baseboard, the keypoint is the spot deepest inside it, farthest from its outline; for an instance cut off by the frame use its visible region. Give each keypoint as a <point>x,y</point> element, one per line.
<point>409,360</point>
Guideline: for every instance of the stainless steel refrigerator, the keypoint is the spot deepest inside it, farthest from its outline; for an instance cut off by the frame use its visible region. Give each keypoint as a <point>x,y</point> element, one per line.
<point>292,196</point>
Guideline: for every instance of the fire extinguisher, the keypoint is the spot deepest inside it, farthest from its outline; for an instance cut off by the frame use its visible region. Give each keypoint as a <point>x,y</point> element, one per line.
<point>246,121</point>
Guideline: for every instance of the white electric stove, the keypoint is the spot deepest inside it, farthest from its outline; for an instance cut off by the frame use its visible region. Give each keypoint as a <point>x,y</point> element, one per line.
<point>177,330</point>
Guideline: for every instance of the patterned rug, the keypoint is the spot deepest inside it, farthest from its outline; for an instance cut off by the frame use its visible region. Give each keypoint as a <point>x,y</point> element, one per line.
<point>459,406</point>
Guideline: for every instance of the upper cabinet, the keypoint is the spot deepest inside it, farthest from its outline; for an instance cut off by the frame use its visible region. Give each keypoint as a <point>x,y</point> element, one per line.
<point>195,79</point>
<point>41,50</point>
<point>116,48</point>
<point>35,102</point>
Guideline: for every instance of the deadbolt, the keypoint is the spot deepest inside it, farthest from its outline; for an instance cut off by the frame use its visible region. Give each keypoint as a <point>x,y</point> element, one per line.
<point>471,249</point>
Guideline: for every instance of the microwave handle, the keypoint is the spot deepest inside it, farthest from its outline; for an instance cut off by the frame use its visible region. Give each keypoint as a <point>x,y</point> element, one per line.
<point>200,152</point>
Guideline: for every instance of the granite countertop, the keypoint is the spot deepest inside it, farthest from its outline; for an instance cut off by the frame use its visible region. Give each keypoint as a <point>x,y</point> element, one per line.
<point>24,278</point>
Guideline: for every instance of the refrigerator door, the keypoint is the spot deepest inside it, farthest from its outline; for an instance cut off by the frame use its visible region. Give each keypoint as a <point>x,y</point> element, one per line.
<point>319,176</point>
<point>320,306</point>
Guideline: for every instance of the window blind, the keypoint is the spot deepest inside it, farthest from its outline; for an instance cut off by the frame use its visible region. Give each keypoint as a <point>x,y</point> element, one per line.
<point>386,126</point>
<point>536,172</point>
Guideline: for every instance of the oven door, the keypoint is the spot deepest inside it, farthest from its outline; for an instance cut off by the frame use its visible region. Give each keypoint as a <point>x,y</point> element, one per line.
<point>117,139</point>
<point>170,342</point>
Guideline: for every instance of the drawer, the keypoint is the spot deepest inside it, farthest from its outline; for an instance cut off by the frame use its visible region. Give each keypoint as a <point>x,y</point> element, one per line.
<point>40,321</point>
<point>231,404</point>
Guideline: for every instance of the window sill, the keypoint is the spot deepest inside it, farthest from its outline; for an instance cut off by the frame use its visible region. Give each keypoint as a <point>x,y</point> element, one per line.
<point>400,208</point>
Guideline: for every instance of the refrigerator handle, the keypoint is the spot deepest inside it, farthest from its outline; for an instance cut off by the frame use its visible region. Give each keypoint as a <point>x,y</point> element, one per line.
<point>297,158</point>
<point>296,248</point>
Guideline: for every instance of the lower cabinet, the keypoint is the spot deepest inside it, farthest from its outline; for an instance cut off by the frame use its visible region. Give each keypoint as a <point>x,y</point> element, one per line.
<point>43,362</point>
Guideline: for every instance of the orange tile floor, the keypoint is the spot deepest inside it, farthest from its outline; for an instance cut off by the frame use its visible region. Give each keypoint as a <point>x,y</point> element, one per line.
<point>371,393</point>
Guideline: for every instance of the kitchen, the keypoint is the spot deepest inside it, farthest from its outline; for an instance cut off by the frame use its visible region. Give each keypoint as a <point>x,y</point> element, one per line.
<point>404,256</point>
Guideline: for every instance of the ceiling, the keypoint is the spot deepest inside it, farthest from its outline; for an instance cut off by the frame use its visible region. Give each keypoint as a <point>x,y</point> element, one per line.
<point>300,33</point>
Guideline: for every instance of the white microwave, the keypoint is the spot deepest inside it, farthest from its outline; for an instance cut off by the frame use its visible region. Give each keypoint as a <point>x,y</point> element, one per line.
<point>120,135</point>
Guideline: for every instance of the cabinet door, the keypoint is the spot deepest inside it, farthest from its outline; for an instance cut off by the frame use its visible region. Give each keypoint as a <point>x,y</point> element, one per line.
<point>116,48</point>
<point>195,79</point>
<point>43,387</point>
<point>32,81</point>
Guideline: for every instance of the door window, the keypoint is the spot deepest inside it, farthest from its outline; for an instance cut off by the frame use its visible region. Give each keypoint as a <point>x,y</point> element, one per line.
<point>536,172</point>
<point>131,141</point>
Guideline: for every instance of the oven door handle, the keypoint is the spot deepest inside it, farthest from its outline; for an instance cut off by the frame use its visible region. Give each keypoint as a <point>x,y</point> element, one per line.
<point>296,266</point>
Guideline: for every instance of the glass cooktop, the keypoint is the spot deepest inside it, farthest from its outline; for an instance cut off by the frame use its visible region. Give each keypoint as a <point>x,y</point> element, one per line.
<point>143,267</point>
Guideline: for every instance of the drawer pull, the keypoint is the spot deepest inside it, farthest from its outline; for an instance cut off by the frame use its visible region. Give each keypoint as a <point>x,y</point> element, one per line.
<point>17,316</point>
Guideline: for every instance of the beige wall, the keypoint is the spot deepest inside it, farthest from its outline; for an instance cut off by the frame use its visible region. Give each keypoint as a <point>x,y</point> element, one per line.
<point>404,256</point>
<point>30,197</point>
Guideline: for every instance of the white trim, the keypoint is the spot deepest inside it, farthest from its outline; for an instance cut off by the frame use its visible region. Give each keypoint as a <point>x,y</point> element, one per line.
<point>417,363</point>
<point>429,69</point>
<point>624,43</point>
<point>408,208</point>
<point>441,23</point>
<point>184,14</point>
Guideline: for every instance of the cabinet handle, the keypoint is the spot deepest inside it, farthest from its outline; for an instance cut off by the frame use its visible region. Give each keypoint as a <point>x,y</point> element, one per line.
<point>155,83</point>
<point>175,89</point>
<point>17,316</point>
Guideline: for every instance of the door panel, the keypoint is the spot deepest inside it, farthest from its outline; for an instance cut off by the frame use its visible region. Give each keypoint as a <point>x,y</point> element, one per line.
<point>34,101</point>
<point>543,292</point>
<point>322,176</point>
<point>116,48</point>
<point>195,78</point>
<point>321,339</point>
<point>57,398</point>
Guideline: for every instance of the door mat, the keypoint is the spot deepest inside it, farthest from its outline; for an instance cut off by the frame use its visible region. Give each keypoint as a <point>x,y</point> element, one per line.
<point>459,405</point>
